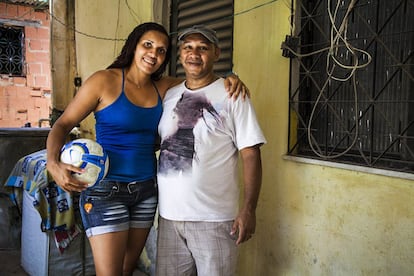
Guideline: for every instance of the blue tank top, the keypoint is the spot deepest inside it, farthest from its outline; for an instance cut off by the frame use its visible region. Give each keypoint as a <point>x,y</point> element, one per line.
<point>128,133</point>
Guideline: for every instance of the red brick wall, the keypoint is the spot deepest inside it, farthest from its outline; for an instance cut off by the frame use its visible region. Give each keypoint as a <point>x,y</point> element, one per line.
<point>28,99</point>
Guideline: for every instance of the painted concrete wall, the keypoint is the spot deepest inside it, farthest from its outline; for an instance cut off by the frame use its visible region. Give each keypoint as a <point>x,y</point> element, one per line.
<point>101,34</point>
<point>312,220</point>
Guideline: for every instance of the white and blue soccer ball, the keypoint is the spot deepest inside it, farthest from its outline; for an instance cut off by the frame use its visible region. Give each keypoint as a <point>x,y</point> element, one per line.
<point>89,155</point>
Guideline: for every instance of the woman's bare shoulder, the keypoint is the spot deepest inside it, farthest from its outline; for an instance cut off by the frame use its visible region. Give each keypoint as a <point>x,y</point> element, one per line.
<point>106,75</point>
<point>103,79</point>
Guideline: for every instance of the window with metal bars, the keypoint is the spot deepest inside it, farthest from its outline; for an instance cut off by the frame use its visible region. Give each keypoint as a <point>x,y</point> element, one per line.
<point>217,15</point>
<point>11,51</point>
<point>351,82</point>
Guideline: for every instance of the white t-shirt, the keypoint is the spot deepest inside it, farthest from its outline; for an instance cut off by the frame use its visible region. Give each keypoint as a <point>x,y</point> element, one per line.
<point>201,133</point>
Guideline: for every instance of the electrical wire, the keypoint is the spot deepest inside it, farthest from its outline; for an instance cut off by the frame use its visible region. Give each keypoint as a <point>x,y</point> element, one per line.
<point>137,19</point>
<point>254,8</point>
<point>338,40</point>
<point>117,25</point>
<point>79,32</point>
<point>133,13</point>
<point>22,16</point>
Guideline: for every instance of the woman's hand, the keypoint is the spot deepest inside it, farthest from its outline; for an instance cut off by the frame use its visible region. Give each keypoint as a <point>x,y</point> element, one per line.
<point>62,175</point>
<point>235,87</point>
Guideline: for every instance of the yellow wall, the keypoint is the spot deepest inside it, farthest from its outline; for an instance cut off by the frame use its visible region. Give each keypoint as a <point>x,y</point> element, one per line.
<point>312,220</point>
<point>109,19</point>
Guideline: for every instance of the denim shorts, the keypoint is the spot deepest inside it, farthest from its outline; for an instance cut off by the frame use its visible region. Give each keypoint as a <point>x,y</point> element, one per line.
<point>113,206</point>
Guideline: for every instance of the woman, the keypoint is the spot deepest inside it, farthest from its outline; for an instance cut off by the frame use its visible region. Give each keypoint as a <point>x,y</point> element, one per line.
<point>126,99</point>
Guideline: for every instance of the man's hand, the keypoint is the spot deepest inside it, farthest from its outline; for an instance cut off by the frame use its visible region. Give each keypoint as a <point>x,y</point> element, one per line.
<point>245,222</point>
<point>244,225</point>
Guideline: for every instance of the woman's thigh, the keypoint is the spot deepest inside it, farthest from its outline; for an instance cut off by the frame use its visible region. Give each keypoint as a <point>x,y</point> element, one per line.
<point>108,252</point>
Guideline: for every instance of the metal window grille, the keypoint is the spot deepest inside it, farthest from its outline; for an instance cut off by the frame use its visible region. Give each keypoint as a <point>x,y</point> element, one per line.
<point>351,83</point>
<point>11,51</point>
<point>217,15</point>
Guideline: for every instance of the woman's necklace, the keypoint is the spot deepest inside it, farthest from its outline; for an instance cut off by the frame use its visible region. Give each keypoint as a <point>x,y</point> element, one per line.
<point>137,85</point>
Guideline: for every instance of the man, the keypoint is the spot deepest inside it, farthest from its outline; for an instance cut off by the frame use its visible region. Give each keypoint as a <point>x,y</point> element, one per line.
<point>202,131</point>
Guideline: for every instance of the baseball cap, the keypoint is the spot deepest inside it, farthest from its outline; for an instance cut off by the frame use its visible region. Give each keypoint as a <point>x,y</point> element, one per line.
<point>207,32</point>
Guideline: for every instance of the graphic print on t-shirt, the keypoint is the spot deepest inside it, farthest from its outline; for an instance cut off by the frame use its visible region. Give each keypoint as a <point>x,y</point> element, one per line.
<point>177,151</point>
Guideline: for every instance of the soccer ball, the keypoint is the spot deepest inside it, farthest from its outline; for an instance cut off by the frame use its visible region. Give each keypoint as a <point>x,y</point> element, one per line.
<point>89,155</point>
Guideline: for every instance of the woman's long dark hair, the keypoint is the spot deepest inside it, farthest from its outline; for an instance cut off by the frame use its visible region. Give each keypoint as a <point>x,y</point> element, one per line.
<point>126,56</point>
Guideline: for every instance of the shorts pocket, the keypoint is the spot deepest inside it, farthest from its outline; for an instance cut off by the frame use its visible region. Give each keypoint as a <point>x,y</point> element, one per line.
<point>99,193</point>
